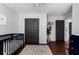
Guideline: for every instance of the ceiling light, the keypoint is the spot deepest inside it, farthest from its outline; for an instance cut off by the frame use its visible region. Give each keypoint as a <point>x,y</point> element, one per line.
<point>37,5</point>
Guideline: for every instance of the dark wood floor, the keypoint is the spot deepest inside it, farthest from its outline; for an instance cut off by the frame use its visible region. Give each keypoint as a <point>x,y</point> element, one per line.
<point>57,48</point>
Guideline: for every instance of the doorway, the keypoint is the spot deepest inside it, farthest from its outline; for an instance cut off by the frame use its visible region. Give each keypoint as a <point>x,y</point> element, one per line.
<point>32,31</point>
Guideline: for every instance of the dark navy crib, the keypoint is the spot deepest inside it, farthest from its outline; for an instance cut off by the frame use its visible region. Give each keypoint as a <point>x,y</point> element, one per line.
<point>10,43</point>
<point>74,45</point>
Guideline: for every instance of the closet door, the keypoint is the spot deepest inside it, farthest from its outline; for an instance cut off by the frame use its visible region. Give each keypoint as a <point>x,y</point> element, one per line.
<point>32,31</point>
<point>60,30</point>
<point>70,29</point>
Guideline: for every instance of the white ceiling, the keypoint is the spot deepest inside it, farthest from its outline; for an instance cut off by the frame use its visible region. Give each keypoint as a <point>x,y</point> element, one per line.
<point>49,8</point>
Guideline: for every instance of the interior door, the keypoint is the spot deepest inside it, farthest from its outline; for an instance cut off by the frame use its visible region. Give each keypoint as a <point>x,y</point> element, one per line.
<point>31,31</point>
<point>60,30</point>
<point>70,29</point>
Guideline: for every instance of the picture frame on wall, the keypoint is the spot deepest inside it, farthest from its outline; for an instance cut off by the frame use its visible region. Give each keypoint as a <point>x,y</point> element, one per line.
<point>3,20</point>
<point>50,23</point>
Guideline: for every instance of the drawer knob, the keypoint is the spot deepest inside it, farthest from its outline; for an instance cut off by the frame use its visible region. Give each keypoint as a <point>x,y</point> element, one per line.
<point>72,48</point>
<point>72,41</point>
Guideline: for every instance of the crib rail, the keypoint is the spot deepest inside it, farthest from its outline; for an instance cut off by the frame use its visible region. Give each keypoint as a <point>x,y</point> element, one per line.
<point>10,43</point>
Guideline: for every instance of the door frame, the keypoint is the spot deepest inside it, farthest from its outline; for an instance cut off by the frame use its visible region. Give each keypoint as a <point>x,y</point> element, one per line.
<point>38,29</point>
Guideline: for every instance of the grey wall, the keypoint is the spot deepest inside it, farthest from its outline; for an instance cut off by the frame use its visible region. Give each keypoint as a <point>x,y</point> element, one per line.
<point>12,24</point>
<point>75,19</point>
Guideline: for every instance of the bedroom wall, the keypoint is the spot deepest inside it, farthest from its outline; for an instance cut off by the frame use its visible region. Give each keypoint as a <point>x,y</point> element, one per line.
<point>12,24</point>
<point>42,25</point>
<point>75,19</point>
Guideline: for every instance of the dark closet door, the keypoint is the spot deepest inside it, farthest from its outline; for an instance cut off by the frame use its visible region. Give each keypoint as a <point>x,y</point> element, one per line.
<point>60,30</point>
<point>31,31</point>
<point>70,29</point>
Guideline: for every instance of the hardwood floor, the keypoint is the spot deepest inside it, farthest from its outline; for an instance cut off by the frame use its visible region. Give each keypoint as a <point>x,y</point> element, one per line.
<point>57,48</point>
